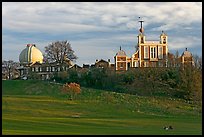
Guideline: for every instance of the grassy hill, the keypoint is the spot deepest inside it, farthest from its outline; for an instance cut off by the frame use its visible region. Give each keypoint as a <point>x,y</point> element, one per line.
<point>38,107</point>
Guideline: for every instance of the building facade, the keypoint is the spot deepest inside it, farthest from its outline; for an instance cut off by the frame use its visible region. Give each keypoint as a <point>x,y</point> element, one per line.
<point>149,53</point>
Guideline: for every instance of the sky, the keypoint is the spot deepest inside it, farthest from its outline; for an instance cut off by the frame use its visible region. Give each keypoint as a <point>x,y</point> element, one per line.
<point>97,30</point>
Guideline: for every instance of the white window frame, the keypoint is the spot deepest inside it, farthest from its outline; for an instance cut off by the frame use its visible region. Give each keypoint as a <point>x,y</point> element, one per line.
<point>33,69</point>
<point>53,69</point>
<point>153,52</point>
<point>40,69</point>
<point>146,53</point>
<point>136,64</point>
<point>121,65</point>
<point>36,69</point>
<point>47,68</point>
<point>160,52</point>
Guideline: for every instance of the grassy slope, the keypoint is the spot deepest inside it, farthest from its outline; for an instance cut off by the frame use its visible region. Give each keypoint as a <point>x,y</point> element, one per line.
<point>33,107</point>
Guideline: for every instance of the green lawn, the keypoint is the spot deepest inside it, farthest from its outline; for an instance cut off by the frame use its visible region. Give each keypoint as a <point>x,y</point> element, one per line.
<point>36,107</point>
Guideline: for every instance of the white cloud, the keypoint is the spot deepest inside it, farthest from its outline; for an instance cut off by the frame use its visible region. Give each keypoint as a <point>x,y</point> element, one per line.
<point>115,19</point>
<point>184,42</point>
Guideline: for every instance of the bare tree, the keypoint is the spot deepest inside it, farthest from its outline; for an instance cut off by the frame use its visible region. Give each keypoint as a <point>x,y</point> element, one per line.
<point>197,61</point>
<point>60,52</point>
<point>9,69</point>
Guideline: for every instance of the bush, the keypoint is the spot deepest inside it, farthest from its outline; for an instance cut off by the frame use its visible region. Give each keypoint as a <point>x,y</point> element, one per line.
<point>72,89</point>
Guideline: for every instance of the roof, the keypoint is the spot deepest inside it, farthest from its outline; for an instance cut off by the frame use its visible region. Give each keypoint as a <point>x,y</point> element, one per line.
<point>153,42</point>
<point>101,61</point>
<point>186,54</point>
<point>75,66</point>
<point>121,53</point>
<point>30,54</point>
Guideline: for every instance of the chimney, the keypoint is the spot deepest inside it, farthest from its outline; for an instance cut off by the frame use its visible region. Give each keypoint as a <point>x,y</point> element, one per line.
<point>186,49</point>
<point>108,60</point>
<point>96,60</point>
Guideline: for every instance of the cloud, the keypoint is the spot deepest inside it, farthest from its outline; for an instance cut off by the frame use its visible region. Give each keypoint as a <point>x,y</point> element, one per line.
<point>44,16</point>
<point>97,29</point>
<point>182,43</point>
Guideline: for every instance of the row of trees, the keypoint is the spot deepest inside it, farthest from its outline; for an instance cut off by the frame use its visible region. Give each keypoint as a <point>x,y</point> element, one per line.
<point>172,82</point>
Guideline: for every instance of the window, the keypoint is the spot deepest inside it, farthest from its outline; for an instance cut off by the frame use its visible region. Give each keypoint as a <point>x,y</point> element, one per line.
<point>153,64</point>
<point>146,64</point>
<point>36,69</point>
<point>145,52</point>
<point>121,65</point>
<point>160,55</point>
<point>164,40</point>
<point>160,64</point>
<point>153,52</point>
<point>47,68</point>
<point>136,64</point>
<point>33,69</point>
<point>58,68</point>
<point>142,40</point>
<point>53,68</point>
<point>40,69</point>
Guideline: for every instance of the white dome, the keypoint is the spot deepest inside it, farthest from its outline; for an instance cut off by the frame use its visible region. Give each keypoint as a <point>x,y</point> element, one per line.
<point>30,55</point>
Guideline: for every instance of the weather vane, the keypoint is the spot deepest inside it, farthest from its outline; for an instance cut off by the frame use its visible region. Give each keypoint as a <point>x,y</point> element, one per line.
<point>141,21</point>
<point>141,29</point>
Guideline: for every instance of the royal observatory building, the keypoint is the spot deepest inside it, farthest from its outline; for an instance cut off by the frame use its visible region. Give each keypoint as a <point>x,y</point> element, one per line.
<point>30,55</point>
<point>32,65</point>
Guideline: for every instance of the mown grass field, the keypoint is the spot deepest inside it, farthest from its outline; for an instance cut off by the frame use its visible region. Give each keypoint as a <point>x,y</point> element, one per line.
<point>37,107</point>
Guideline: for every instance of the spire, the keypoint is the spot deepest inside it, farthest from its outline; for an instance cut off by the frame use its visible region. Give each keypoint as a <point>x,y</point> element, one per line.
<point>120,47</point>
<point>141,28</point>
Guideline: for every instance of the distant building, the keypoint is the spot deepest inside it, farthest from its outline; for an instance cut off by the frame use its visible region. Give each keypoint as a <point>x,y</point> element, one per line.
<point>102,64</point>
<point>186,58</point>
<point>32,65</point>
<point>121,60</point>
<point>149,54</point>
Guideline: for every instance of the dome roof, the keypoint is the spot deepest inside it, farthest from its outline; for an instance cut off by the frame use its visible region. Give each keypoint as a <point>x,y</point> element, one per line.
<point>121,53</point>
<point>163,34</point>
<point>186,53</point>
<point>30,54</point>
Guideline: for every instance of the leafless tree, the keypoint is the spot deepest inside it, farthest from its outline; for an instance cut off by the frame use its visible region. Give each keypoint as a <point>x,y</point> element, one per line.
<point>197,61</point>
<point>59,52</point>
<point>9,68</point>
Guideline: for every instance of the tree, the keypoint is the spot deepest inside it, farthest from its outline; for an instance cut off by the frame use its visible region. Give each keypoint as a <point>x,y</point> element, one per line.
<point>197,61</point>
<point>9,68</point>
<point>71,89</point>
<point>59,52</point>
<point>177,59</point>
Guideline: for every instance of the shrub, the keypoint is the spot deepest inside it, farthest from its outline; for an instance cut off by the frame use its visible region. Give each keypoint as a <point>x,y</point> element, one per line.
<point>72,89</point>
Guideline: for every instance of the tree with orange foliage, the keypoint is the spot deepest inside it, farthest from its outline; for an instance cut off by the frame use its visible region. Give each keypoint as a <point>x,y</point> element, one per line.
<point>72,89</point>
